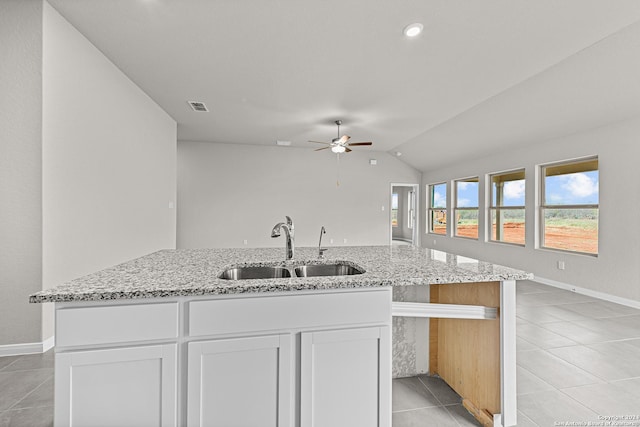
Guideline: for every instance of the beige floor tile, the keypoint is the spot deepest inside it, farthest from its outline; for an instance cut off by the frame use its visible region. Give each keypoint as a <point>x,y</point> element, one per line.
<point>597,363</point>
<point>529,383</point>
<point>411,393</point>
<point>606,399</point>
<point>554,370</point>
<point>548,407</point>
<point>579,333</point>
<point>542,337</point>
<point>436,417</point>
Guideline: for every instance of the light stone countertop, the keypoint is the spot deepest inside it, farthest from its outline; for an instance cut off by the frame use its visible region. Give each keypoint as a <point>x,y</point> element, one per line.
<point>186,272</point>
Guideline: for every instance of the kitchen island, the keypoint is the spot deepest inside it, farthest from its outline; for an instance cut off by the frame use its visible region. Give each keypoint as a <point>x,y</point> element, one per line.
<point>167,342</point>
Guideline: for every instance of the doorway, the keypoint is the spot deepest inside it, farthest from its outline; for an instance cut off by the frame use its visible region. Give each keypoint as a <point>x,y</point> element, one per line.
<point>403,215</point>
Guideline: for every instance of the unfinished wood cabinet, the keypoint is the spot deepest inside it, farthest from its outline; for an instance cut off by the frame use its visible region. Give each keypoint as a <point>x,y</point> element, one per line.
<point>476,357</point>
<point>467,348</point>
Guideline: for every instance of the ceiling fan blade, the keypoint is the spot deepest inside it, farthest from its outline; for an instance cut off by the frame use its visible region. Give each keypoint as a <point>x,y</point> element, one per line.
<point>343,139</point>
<point>351,144</point>
<point>321,142</point>
<point>323,148</point>
<point>348,150</point>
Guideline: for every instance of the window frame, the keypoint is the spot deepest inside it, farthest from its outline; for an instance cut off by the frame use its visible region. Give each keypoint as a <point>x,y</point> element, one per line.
<point>542,205</point>
<point>431,209</point>
<point>456,208</point>
<point>491,207</point>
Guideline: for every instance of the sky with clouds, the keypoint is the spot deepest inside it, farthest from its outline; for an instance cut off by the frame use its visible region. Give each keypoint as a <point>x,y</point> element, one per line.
<point>467,194</point>
<point>513,193</point>
<point>439,196</point>
<point>572,189</point>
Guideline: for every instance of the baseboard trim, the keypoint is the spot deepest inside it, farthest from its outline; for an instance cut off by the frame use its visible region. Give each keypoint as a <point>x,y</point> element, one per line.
<point>27,348</point>
<point>588,292</point>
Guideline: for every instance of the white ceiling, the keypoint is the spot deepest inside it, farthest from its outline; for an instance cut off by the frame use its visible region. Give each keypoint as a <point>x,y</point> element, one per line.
<point>483,75</point>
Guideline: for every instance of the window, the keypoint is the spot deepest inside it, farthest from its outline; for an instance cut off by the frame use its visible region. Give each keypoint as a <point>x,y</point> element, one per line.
<point>466,208</point>
<point>569,206</point>
<point>411,213</point>
<point>394,209</point>
<point>507,207</point>
<point>437,209</point>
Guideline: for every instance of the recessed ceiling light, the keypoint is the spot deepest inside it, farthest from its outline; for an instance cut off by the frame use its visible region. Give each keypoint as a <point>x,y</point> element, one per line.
<point>413,30</point>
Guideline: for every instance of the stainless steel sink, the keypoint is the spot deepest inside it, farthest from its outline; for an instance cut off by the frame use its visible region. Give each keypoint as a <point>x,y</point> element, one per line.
<point>242,273</point>
<point>327,270</point>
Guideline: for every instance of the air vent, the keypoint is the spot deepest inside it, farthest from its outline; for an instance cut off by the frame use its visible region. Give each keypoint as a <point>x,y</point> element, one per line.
<point>198,106</point>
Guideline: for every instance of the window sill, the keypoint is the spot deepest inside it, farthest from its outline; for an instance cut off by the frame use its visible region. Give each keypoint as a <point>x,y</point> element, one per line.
<point>519,245</point>
<point>477,239</point>
<point>567,252</point>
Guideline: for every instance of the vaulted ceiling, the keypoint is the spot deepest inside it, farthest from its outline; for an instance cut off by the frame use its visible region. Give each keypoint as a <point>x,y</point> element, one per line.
<point>484,75</point>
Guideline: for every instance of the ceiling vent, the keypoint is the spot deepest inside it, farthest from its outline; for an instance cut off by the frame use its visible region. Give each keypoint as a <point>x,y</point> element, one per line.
<point>198,106</point>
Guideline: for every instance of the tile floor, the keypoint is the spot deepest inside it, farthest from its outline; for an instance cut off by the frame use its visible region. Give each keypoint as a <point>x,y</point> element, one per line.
<point>578,358</point>
<point>26,390</point>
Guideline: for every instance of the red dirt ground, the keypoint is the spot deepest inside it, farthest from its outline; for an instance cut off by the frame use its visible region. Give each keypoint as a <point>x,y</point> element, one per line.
<point>568,238</point>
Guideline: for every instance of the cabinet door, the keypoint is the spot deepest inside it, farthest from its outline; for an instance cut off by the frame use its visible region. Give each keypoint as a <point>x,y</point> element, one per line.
<point>240,382</point>
<point>346,378</point>
<point>133,386</point>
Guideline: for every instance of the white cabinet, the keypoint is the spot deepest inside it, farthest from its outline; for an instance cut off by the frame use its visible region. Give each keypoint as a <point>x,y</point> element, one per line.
<point>243,382</point>
<point>345,378</point>
<point>132,386</point>
<point>299,359</point>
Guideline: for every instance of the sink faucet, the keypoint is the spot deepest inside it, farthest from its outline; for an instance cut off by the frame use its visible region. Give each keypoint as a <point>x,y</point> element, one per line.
<point>291,227</point>
<point>289,235</point>
<point>320,248</point>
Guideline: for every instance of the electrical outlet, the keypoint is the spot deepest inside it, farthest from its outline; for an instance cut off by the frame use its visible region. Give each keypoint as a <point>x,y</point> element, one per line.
<point>331,241</point>
<point>560,265</point>
<point>345,241</point>
<point>383,207</point>
<point>245,241</point>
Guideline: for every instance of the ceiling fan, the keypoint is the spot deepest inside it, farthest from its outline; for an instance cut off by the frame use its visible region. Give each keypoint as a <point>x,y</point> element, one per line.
<point>340,144</point>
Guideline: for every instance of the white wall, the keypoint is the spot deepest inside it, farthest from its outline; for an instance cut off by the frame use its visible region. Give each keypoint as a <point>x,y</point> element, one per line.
<point>228,193</point>
<point>616,270</point>
<point>20,169</point>
<point>109,161</point>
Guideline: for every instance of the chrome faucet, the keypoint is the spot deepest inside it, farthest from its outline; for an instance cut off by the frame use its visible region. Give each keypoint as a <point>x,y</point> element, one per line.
<point>291,227</point>
<point>321,250</point>
<point>289,236</point>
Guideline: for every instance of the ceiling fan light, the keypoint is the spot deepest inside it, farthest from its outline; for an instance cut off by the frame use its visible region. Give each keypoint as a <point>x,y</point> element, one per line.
<point>338,149</point>
<point>412,30</point>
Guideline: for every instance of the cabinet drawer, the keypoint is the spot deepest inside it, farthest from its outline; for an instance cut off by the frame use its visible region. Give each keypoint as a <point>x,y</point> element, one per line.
<point>116,324</point>
<point>269,313</point>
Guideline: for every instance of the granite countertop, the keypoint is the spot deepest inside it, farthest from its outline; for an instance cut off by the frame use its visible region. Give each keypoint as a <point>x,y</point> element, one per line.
<point>185,272</point>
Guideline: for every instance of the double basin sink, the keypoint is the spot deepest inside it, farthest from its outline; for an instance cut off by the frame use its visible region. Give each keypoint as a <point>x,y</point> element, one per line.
<point>275,272</point>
